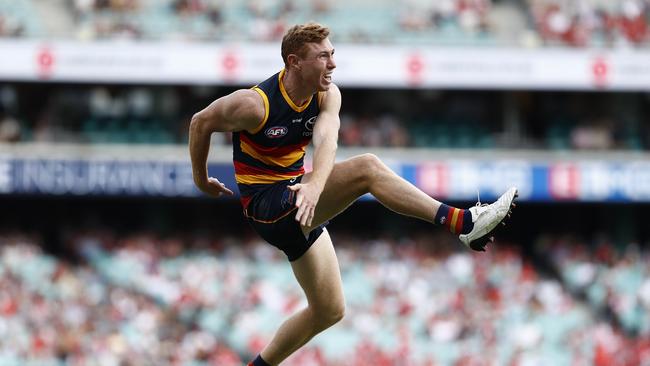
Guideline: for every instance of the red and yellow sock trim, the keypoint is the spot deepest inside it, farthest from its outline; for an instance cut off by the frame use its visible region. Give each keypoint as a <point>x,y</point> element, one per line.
<point>455,220</point>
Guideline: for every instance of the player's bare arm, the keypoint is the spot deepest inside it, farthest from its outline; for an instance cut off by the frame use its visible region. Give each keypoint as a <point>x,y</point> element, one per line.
<point>241,110</point>
<point>325,140</point>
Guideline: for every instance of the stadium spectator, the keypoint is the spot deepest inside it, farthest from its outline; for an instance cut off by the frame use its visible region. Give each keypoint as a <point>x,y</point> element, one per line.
<point>10,27</point>
<point>141,298</point>
<point>597,135</point>
<point>9,129</point>
<point>556,23</point>
<point>588,23</point>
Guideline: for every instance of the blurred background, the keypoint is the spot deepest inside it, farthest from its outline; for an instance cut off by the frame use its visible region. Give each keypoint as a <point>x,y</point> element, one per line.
<point>110,256</point>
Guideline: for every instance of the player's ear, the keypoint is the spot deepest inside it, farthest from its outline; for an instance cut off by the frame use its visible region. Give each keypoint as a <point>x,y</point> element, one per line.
<point>294,61</point>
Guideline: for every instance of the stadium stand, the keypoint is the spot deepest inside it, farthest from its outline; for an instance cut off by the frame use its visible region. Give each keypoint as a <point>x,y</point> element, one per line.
<point>160,115</point>
<point>591,23</point>
<point>613,278</point>
<point>187,289</point>
<point>531,23</point>
<point>17,20</point>
<point>107,286</point>
<point>433,304</point>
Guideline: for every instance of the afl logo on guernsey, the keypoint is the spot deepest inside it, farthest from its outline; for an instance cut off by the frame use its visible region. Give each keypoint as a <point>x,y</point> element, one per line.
<point>276,132</point>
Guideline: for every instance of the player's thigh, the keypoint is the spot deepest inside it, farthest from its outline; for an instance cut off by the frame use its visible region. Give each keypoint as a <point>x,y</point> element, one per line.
<point>346,183</point>
<point>318,273</point>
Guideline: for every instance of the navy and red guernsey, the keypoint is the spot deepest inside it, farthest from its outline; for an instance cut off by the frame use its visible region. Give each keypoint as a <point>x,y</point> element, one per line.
<point>275,150</point>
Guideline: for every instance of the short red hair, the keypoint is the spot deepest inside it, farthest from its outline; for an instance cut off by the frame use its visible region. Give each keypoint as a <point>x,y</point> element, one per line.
<point>297,36</point>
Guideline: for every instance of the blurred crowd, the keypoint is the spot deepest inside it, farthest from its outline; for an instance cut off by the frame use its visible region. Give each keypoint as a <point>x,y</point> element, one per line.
<point>591,22</point>
<point>57,313</point>
<point>530,23</point>
<point>10,27</point>
<point>610,277</point>
<point>419,299</point>
<point>406,119</point>
<point>102,19</point>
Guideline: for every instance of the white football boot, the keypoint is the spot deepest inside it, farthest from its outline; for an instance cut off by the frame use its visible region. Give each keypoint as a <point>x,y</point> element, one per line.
<point>486,219</point>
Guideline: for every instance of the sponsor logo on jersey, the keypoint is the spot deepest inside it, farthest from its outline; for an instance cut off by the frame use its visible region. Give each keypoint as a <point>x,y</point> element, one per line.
<point>309,125</point>
<point>276,132</point>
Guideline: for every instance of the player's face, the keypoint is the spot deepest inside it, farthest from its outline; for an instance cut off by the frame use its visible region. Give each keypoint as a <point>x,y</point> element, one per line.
<point>318,64</point>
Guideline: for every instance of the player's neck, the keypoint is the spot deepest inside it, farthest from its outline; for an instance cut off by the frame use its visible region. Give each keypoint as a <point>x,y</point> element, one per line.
<point>295,88</point>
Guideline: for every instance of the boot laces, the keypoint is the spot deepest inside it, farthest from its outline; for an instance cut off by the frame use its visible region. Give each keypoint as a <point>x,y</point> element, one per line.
<point>478,203</point>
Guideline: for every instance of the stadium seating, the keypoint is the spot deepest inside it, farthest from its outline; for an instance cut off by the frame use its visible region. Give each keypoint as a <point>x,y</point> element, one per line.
<point>138,293</point>
<point>610,277</point>
<point>452,22</point>
<point>17,19</point>
<point>76,296</point>
<point>160,115</point>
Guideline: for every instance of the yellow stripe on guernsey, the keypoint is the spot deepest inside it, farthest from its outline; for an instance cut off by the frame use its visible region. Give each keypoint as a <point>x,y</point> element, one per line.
<point>286,96</point>
<point>320,98</point>
<point>454,219</point>
<point>266,109</point>
<point>261,179</point>
<point>283,161</point>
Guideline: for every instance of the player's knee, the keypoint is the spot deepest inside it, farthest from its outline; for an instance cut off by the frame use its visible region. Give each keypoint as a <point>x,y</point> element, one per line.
<point>336,313</point>
<point>329,315</point>
<point>370,160</point>
<point>371,164</point>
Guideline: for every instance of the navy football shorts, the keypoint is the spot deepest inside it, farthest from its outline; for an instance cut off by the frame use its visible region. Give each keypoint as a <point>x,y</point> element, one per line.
<point>271,212</point>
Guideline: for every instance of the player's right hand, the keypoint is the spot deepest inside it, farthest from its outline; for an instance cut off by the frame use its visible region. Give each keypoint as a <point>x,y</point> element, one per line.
<point>214,188</point>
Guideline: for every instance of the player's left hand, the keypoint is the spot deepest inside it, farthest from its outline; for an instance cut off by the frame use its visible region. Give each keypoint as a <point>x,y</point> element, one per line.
<point>307,195</point>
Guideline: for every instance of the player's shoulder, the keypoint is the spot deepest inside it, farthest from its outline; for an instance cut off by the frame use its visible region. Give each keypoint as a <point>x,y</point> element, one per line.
<point>246,97</point>
<point>246,103</point>
<point>330,97</point>
<point>333,89</point>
